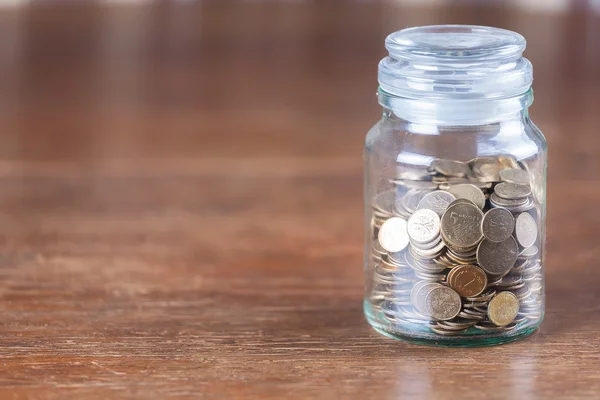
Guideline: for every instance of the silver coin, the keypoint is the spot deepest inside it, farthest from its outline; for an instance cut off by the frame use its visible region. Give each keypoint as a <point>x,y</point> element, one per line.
<point>411,199</point>
<point>443,303</point>
<point>497,258</point>
<point>452,328</point>
<point>414,173</point>
<point>464,323</point>
<point>403,186</point>
<point>461,225</point>
<point>528,205</point>
<point>393,235</point>
<point>469,192</point>
<point>485,296</point>
<point>437,201</point>
<point>512,191</point>
<point>377,249</point>
<point>430,245</point>
<point>414,293</point>
<point>451,168</point>
<point>473,317</point>
<point>463,201</point>
<point>445,332</point>
<point>497,224</point>
<point>493,328</point>
<point>526,230</point>
<point>444,180</point>
<point>430,253</point>
<point>529,251</point>
<point>509,281</point>
<point>421,295</point>
<point>498,201</point>
<point>514,175</point>
<point>423,226</point>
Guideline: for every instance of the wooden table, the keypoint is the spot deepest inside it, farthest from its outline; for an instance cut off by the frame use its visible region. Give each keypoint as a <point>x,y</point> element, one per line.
<point>181,205</point>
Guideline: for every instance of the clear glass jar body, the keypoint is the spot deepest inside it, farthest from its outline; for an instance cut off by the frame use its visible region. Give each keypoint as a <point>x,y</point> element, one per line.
<point>445,270</point>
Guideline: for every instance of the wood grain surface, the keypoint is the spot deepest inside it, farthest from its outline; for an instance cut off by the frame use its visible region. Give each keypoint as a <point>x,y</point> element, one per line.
<point>181,204</point>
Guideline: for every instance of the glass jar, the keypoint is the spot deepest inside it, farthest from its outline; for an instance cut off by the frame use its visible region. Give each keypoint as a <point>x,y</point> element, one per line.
<point>455,178</point>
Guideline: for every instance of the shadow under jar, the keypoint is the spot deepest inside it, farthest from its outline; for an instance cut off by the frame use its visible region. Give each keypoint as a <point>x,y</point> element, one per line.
<point>455,178</point>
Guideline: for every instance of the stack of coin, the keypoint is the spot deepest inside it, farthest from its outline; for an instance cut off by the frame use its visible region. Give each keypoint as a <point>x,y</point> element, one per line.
<point>454,248</point>
<point>423,228</point>
<point>514,197</point>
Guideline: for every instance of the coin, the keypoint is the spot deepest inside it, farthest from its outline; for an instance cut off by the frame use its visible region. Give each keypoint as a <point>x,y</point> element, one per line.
<point>460,225</point>
<point>503,308</point>
<point>421,296</point>
<point>463,201</point>
<point>472,316</point>
<point>529,251</point>
<point>498,201</point>
<point>493,328</point>
<point>411,172</point>
<point>509,281</point>
<point>443,303</point>
<point>449,167</point>
<point>485,296</point>
<point>430,253</point>
<point>497,258</point>
<point>486,169</point>
<point>457,323</point>
<point>410,201</point>
<point>414,293</point>
<point>468,281</point>
<point>526,230</point>
<point>437,201</point>
<point>429,245</point>
<point>445,332</point>
<point>423,226</point>
<point>511,191</point>
<point>445,180</point>
<point>497,224</point>
<point>393,235</point>
<point>470,192</point>
<point>378,249</point>
<point>514,175</point>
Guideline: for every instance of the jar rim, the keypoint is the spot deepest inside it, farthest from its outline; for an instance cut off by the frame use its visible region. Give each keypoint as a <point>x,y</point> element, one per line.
<point>458,43</point>
<point>455,62</point>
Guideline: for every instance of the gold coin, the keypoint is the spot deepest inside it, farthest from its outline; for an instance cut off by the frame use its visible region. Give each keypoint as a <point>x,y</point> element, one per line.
<point>468,281</point>
<point>503,308</point>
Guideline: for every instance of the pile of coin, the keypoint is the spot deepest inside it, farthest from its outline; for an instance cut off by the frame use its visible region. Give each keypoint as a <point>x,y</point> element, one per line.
<point>454,248</point>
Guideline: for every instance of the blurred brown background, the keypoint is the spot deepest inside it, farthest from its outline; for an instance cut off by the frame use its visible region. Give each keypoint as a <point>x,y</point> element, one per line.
<point>181,201</point>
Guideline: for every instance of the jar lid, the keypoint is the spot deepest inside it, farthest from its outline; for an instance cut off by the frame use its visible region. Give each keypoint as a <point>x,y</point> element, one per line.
<point>455,62</point>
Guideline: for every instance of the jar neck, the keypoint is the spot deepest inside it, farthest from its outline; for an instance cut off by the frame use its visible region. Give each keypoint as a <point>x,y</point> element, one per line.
<point>463,112</point>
